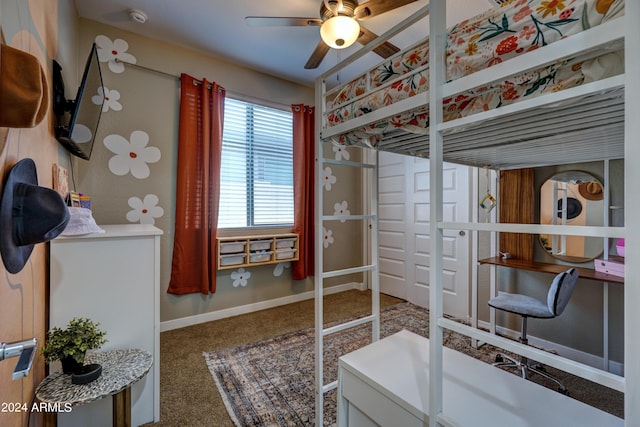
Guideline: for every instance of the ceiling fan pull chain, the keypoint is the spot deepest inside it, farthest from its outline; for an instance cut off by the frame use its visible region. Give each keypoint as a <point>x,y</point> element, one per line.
<point>339,59</point>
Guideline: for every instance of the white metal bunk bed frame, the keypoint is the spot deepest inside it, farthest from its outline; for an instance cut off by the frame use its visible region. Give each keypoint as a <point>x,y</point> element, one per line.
<point>623,31</point>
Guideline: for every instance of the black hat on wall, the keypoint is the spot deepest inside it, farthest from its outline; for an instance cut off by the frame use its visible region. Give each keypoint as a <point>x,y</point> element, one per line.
<point>574,208</point>
<point>29,214</point>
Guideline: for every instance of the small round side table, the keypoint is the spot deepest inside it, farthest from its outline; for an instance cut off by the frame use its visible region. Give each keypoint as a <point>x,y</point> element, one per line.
<point>120,369</point>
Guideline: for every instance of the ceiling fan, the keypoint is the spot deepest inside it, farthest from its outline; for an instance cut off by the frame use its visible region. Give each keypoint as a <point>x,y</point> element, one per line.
<point>339,25</point>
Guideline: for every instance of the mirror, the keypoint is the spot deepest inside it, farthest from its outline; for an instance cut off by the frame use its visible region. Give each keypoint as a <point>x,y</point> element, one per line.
<point>572,198</point>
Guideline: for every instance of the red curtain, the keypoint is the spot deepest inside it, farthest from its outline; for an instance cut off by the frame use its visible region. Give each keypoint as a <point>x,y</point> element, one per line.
<point>303,172</point>
<point>193,267</point>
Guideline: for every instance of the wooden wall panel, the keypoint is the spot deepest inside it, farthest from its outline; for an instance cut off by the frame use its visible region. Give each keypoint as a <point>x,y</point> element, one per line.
<point>23,296</point>
<point>516,201</point>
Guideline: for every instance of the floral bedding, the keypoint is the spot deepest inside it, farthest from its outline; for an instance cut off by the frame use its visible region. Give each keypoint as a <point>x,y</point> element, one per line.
<point>487,39</point>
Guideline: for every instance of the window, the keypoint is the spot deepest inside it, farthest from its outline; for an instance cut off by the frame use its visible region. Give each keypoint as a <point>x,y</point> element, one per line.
<point>256,177</point>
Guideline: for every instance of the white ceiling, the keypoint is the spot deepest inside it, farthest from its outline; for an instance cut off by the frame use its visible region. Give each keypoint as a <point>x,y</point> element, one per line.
<point>217,28</point>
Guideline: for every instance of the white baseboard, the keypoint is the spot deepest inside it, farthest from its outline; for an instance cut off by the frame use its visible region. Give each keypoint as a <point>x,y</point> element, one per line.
<point>249,308</point>
<point>359,286</point>
<point>568,352</point>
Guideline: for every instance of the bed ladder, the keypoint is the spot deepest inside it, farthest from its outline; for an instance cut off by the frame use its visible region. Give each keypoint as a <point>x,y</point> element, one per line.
<point>369,269</point>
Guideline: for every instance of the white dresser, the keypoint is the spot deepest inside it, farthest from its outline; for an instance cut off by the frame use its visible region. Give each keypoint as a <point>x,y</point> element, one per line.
<point>114,279</point>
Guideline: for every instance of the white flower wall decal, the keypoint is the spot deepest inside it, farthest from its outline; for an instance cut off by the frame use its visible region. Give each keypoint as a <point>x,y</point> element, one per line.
<point>110,98</point>
<point>240,277</point>
<point>341,209</point>
<point>131,156</point>
<point>341,152</point>
<point>327,237</point>
<point>109,51</point>
<point>279,269</point>
<point>329,178</point>
<point>144,211</point>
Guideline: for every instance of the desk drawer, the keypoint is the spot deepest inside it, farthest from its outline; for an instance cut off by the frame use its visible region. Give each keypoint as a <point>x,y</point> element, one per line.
<point>375,405</point>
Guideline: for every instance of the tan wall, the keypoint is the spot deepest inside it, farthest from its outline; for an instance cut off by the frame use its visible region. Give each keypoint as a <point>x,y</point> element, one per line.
<point>47,30</point>
<point>150,104</point>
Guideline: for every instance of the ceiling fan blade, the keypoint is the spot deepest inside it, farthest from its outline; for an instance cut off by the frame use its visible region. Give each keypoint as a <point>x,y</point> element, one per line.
<point>277,21</point>
<point>377,7</point>
<point>317,56</point>
<point>385,50</point>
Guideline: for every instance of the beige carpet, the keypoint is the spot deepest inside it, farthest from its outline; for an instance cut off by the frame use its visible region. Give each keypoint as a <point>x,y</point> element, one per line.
<point>271,382</point>
<point>189,396</point>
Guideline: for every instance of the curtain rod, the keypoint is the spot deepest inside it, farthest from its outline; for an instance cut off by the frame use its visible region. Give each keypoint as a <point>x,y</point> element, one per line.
<point>142,67</point>
<point>153,70</point>
<point>198,82</point>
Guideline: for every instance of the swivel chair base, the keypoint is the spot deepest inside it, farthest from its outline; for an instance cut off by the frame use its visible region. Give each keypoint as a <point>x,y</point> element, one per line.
<point>526,367</point>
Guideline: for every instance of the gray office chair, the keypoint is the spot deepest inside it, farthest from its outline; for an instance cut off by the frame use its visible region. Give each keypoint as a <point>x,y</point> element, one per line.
<point>557,298</point>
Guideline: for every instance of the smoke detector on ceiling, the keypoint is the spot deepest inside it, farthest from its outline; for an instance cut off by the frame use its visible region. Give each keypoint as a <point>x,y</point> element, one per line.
<point>138,16</point>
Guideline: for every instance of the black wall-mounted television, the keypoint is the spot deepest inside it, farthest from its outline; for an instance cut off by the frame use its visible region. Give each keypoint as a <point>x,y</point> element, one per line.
<point>77,120</point>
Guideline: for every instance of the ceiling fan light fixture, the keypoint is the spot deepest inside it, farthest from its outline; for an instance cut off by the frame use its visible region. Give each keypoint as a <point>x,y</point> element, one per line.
<point>340,31</point>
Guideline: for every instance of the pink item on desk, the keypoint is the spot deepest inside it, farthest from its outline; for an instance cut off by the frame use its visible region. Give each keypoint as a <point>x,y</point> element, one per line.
<point>620,247</point>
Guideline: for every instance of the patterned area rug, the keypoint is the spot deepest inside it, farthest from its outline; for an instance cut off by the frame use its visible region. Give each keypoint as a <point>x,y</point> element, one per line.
<point>271,382</point>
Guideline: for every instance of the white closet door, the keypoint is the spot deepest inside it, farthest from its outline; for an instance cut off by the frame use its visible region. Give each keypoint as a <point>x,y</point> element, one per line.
<point>392,191</point>
<point>404,231</point>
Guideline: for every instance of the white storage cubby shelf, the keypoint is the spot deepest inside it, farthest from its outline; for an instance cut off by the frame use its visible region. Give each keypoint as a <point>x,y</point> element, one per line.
<point>234,252</point>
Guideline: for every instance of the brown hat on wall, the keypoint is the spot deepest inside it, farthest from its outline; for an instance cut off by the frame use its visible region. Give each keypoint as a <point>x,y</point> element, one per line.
<point>24,93</point>
<point>591,190</point>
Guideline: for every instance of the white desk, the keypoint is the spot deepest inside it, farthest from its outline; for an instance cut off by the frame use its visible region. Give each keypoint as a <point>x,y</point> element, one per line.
<point>387,383</point>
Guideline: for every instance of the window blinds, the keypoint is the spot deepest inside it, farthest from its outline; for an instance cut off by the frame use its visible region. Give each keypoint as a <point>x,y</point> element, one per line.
<point>256,178</point>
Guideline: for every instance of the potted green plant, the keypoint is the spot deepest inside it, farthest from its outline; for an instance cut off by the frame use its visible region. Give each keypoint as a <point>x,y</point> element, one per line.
<point>71,344</point>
